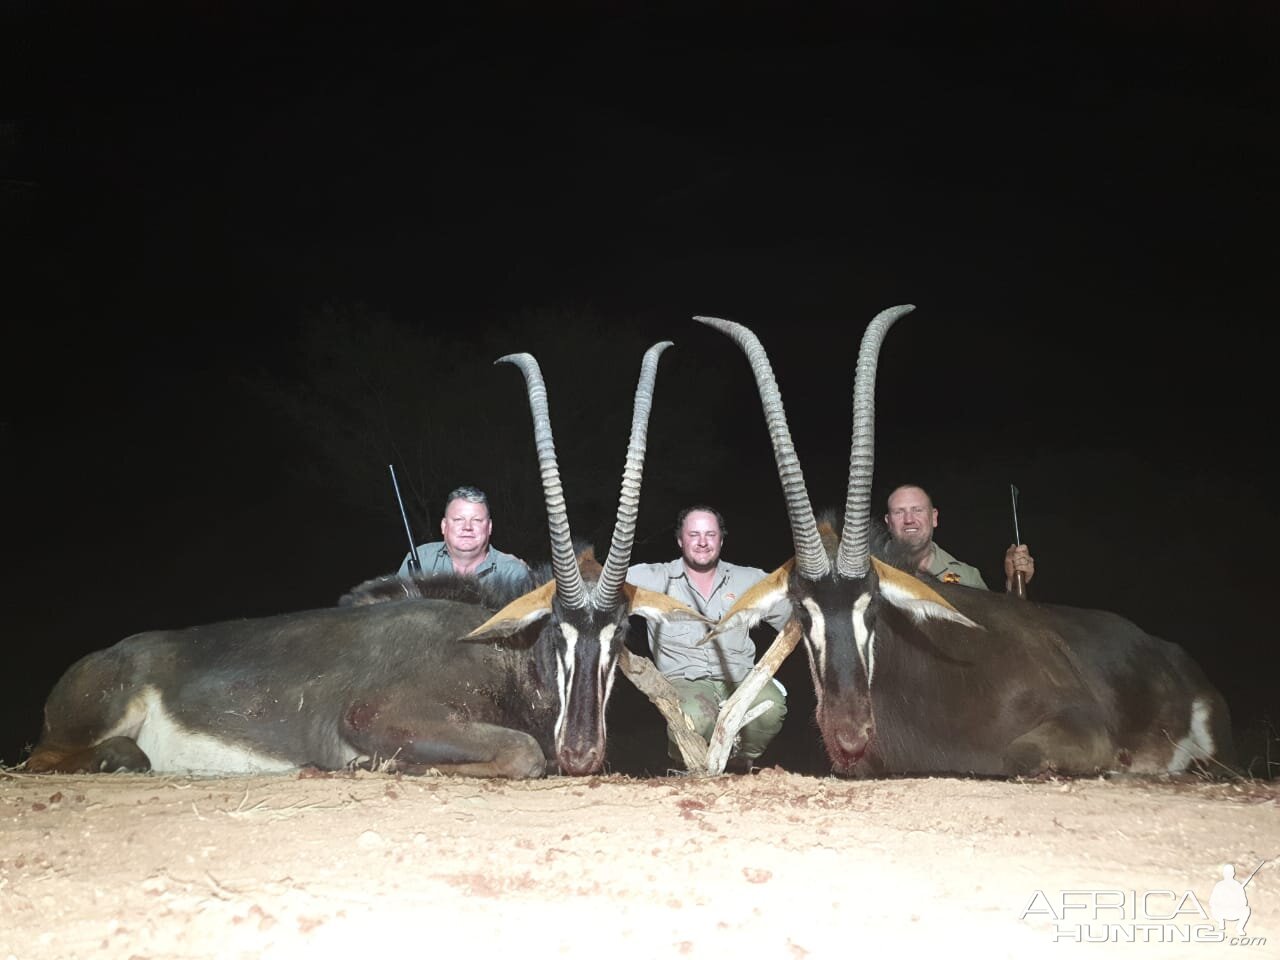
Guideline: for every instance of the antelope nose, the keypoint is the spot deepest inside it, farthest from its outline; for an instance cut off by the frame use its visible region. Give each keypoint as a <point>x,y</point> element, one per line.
<point>579,761</point>
<point>853,743</point>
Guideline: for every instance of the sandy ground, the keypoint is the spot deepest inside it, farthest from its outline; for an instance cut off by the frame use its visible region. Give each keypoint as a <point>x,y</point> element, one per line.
<point>773,864</point>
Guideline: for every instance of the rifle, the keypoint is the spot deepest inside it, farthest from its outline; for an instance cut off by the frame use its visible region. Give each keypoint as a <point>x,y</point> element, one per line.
<point>414,565</point>
<point>1019,579</point>
<point>1251,876</point>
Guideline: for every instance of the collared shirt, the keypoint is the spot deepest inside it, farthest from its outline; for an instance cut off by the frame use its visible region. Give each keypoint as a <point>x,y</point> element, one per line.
<point>676,652</point>
<point>497,567</point>
<point>948,569</point>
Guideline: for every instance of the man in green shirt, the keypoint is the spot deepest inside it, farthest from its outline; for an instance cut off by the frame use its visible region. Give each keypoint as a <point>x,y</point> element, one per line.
<point>465,548</point>
<point>911,518</point>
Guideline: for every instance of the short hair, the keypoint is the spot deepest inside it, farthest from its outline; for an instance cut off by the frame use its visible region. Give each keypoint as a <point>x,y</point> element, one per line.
<point>902,486</point>
<point>469,494</point>
<point>700,508</point>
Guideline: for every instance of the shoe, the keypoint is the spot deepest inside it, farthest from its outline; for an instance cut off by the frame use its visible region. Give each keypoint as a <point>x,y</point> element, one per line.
<point>738,764</point>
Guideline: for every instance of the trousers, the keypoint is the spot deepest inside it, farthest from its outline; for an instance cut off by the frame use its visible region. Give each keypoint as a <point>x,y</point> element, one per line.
<point>701,699</point>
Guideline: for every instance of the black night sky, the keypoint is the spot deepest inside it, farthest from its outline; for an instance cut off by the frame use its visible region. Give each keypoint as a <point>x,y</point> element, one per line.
<point>254,252</point>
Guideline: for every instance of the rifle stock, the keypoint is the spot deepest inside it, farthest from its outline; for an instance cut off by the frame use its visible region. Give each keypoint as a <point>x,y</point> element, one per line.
<point>1019,586</point>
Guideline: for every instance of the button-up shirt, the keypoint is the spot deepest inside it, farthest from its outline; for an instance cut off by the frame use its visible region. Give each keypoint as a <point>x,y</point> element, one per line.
<point>675,645</point>
<point>496,568</point>
<point>948,569</point>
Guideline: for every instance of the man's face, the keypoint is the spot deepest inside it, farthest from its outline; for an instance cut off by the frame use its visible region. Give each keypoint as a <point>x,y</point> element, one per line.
<point>700,541</point>
<point>911,518</point>
<point>466,528</point>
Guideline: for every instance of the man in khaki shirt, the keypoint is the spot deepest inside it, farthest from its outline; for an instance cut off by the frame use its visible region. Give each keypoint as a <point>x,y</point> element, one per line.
<point>911,518</point>
<point>705,675</point>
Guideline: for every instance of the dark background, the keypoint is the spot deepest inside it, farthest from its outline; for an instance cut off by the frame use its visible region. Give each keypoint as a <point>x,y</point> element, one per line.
<point>253,253</point>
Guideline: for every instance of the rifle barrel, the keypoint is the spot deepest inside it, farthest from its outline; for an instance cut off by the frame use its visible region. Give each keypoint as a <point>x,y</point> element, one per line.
<point>414,565</point>
<point>1013,495</point>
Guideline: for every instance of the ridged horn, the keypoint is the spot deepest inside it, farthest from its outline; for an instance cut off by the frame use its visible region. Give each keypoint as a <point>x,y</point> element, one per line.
<point>624,530</point>
<point>811,559</point>
<point>853,557</point>
<point>569,585</point>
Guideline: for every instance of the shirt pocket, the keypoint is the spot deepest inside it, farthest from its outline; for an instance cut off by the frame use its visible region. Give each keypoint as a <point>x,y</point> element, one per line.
<point>738,643</point>
<point>679,634</point>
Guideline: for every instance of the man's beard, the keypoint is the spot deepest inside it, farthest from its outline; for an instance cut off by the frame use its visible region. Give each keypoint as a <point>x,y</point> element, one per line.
<point>698,567</point>
<point>905,556</point>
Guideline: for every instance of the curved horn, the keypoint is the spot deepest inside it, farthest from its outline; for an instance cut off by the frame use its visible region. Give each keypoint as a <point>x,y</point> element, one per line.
<point>811,559</point>
<point>624,530</point>
<point>569,584</point>
<point>852,560</point>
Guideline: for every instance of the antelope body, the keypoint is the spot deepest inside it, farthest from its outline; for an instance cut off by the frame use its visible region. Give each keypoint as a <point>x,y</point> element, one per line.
<point>431,682</point>
<point>925,678</point>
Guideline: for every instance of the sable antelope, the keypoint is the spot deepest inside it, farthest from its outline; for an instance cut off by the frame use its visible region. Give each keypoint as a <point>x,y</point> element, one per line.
<point>408,686</point>
<point>916,677</point>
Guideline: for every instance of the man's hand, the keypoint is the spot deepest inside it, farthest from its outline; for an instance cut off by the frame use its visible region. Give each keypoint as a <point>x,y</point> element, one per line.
<point>1018,559</point>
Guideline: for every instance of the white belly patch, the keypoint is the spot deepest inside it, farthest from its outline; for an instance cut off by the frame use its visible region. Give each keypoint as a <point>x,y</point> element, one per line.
<point>173,748</point>
<point>1198,743</point>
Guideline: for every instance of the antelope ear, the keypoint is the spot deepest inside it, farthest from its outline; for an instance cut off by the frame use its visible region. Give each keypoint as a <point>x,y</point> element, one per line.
<point>916,598</point>
<point>516,615</point>
<point>756,602</point>
<point>658,607</point>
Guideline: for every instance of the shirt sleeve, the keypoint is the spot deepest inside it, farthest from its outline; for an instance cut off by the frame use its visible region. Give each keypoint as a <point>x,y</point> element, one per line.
<point>974,578</point>
<point>525,577</point>
<point>516,572</point>
<point>650,576</point>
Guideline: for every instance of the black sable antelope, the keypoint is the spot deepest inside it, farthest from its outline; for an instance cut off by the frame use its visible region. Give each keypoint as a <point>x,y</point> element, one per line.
<point>408,686</point>
<point>916,677</point>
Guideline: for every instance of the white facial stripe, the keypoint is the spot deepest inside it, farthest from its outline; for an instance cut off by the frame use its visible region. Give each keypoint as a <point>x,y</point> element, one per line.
<point>606,675</point>
<point>570,634</point>
<point>920,609</point>
<point>818,632</point>
<point>606,641</point>
<point>607,686</point>
<point>864,638</point>
<point>564,673</point>
<point>1198,743</point>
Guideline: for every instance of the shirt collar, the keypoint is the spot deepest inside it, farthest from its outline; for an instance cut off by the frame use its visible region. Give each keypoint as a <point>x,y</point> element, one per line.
<point>489,559</point>
<point>676,570</point>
